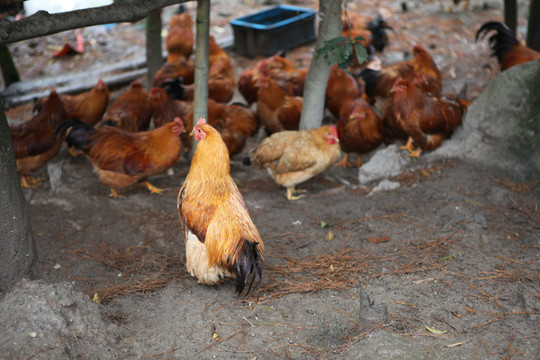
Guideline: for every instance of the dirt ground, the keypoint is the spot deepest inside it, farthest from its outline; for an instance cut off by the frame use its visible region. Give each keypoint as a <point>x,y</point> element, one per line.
<point>444,267</point>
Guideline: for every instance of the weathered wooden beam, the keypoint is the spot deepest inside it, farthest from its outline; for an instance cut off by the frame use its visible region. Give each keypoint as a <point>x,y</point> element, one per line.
<point>42,23</point>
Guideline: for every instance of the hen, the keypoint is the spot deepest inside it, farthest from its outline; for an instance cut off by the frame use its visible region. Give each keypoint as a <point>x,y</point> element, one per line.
<point>505,46</point>
<point>238,125</point>
<point>292,157</point>
<point>219,235</point>
<point>277,68</point>
<point>121,158</point>
<point>179,40</point>
<point>341,88</point>
<point>183,69</point>
<point>426,120</point>
<point>165,110</point>
<point>360,129</point>
<point>130,111</point>
<point>88,106</point>
<point>34,141</point>
<point>421,68</point>
<point>277,111</point>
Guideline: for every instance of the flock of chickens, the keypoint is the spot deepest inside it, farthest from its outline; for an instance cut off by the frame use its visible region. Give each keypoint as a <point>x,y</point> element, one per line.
<point>372,105</point>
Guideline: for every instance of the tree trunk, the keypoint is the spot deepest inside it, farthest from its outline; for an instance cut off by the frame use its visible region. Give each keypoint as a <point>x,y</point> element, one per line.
<point>18,257</point>
<point>154,56</point>
<point>9,70</point>
<point>533,31</point>
<point>200,100</point>
<point>330,26</point>
<point>510,14</point>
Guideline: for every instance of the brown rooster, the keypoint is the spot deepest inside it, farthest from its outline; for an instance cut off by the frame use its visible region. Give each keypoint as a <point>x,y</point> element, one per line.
<point>360,129</point>
<point>121,158</point>
<point>292,157</point>
<point>277,111</point>
<point>130,111</point>
<point>505,46</point>
<point>220,237</point>
<point>426,120</point>
<point>34,141</point>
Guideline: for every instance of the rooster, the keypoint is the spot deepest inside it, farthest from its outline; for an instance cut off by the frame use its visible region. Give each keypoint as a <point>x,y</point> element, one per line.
<point>130,111</point>
<point>34,141</point>
<point>360,129</point>
<point>220,237</point>
<point>426,120</point>
<point>375,37</point>
<point>292,157</point>
<point>505,46</point>
<point>121,158</point>
<point>277,111</point>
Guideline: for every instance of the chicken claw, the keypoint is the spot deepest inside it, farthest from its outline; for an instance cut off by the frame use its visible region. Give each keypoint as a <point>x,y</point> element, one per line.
<point>115,195</point>
<point>408,146</point>
<point>415,153</point>
<point>291,191</point>
<point>27,181</point>
<point>345,162</point>
<point>152,188</point>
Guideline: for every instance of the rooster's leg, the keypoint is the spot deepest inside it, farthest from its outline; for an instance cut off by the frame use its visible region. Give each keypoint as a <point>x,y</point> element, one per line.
<point>409,145</point>
<point>74,152</point>
<point>415,153</point>
<point>344,162</point>
<point>358,161</point>
<point>152,188</point>
<point>115,195</point>
<point>291,191</point>
<point>27,181</point>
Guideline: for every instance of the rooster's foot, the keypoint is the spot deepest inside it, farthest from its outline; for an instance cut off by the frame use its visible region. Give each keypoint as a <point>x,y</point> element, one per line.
<point>152,188</point>
<point>291,193</point>
<point>345,162</point>
<point>115,195</point>
<point>27,181</point>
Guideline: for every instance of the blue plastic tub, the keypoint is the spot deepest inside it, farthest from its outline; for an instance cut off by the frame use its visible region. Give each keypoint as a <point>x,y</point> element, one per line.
<point>269,31</point>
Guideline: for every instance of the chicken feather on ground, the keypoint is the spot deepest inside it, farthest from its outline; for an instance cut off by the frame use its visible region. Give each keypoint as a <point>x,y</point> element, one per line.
<point>121,158</point>
<point>220,237</point>
<point>292,157</point>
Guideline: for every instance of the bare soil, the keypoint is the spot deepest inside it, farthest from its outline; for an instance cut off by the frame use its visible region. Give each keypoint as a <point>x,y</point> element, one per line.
<point>444,267</point>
